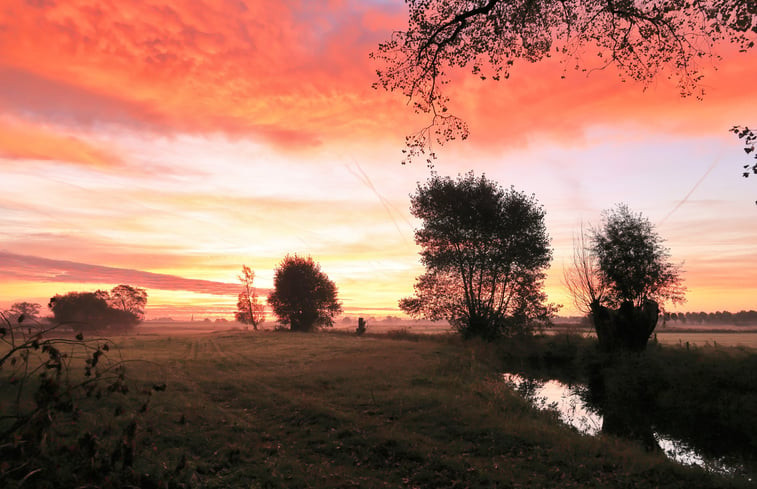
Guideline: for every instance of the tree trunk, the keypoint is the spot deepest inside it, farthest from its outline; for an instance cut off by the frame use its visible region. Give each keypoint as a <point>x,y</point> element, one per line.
<point>627,328</point>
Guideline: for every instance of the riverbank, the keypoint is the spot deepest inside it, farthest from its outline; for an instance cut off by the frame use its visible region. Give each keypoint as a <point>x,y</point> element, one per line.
<point>704,395</point>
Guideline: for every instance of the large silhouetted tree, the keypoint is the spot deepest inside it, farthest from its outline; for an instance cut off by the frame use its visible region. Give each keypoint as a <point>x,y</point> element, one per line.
<point>303,296</point>
<point>485,250</point>
<point>633,262</point>
<point>643,39</point>
<point>249,309</point>
<point>623,275</point>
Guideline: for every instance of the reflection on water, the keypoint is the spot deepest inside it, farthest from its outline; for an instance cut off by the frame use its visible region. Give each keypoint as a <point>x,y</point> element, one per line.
<point>563,399</point>
<point>568,402</point>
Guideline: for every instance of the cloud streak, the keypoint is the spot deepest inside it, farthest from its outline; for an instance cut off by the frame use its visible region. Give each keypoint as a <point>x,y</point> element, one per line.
<point>37,269</point>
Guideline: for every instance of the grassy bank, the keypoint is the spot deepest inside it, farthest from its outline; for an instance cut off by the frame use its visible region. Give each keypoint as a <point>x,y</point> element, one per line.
<point>258,410</point>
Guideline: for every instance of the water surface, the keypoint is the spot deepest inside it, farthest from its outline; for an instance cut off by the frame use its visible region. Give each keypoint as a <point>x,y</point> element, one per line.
<point>568,402</point>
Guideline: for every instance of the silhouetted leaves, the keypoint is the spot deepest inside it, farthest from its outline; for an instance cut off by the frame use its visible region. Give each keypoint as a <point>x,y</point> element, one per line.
<point>119,310</point>
<point>621,277</point>
<point>643,40</point>
<point>54,421</point>
<point>303,296</point>
<point>634,265</point>
<point>128,299</point>
<point>249,309</point>
<point>485,250</point>
<point>750,139</point>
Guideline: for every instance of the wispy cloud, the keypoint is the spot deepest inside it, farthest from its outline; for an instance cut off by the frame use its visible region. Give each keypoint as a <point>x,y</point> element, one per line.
<point>24,141</point>
<point>190,137</point>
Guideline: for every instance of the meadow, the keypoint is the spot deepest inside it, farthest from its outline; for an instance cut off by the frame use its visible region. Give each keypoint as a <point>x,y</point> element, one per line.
<point>724,335</point>
<point>334,410</point>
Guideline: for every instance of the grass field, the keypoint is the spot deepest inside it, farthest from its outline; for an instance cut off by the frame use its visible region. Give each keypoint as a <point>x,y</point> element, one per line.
<point>275,409</point>
<point>703,338</point>
<point>333,410</point>
<point>723,335</point>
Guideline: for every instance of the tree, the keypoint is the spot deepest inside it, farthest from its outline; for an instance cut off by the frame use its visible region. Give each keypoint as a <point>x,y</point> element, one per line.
<point>633,263</point>
<point>750,138</point>
<point>303,296</point>
<point>23,311</point>
<point>485,250</point>
<point>583,278</point>
<point>119,310</point>
<point>128,299</point>
<point>82,311</point>
<point>623,277</point>
<point>249,310</point>
<point>643,39</point>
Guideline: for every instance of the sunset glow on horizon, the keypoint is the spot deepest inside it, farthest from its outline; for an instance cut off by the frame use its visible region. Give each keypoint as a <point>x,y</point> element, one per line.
<point>166,146</point>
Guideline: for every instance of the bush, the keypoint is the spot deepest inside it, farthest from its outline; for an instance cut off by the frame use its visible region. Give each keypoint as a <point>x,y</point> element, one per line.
<point>65,417</point>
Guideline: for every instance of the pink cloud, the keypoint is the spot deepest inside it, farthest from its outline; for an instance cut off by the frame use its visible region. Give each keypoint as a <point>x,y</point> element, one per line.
<point>37,269</point>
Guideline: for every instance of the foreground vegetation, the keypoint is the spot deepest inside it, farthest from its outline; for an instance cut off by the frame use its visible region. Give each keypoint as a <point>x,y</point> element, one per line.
<point>275,409</point>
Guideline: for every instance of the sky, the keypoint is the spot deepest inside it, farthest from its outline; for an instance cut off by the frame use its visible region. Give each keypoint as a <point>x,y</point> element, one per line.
<point>164,145</point>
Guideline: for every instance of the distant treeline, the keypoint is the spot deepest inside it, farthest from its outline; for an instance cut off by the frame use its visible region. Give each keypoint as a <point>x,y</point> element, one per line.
<point>742,318</point>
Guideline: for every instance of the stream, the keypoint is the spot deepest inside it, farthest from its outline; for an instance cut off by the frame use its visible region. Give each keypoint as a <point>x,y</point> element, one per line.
<point>568,401</point>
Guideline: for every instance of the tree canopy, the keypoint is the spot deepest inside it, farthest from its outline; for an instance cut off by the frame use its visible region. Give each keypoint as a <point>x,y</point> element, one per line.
<point>621,275</point>
<point>750,139</point>
<point>644,39</point>
<point>485,250</point>
<point>249,309</point>
<point>128,299</point>
<point>120,309</point>
<point>634,265</point>
<point>23,311</point>
<point>303,296</point>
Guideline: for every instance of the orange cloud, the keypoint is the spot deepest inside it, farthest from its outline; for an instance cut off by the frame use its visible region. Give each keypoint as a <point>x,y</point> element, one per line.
<point>297,74</point>
<point>535,105</point>
<point>278,70</point>
<point>32,142</point>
